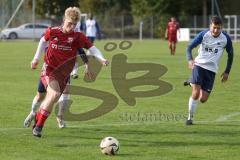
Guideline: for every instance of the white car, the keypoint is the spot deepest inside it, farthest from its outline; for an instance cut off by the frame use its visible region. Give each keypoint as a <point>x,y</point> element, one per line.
<point>28,30</point>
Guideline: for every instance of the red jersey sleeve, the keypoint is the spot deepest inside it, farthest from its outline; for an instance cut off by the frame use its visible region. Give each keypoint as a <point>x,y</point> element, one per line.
<point>47,34</point>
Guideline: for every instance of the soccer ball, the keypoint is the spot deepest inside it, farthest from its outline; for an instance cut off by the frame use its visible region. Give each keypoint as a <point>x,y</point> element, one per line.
<point>109,146</point>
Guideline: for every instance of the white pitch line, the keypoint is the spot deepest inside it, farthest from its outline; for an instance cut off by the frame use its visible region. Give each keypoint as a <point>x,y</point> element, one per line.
<point>226,117</point>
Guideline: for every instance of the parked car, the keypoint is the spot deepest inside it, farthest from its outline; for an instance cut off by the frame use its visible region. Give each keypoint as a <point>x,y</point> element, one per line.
<point>28,30</point>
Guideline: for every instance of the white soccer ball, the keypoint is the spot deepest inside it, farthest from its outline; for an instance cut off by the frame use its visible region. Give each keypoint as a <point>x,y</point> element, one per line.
<point>109,146</point>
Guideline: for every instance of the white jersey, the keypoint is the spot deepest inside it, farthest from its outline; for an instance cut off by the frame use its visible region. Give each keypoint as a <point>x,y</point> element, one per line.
<point>91,29</point>
<point>211,49</point>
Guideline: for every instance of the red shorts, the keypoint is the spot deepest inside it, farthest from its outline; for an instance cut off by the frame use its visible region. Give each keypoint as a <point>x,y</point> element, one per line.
<point>48,74</point>
<point>172,38</point>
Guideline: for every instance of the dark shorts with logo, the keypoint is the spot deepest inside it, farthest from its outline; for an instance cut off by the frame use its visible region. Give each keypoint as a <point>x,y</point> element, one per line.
<point>203,77</point>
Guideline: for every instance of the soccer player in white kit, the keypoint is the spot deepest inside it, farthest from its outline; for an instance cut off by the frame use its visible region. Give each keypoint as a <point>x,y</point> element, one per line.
<point>212,43</point>
<point>92,30</point>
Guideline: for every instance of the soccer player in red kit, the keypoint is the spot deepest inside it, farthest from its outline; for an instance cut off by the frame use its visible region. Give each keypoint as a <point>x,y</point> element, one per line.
<point>171,34</point>
<point>59,62</point>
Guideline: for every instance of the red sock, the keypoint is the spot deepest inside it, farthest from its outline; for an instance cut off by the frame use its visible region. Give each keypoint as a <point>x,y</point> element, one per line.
<point>41,116</point>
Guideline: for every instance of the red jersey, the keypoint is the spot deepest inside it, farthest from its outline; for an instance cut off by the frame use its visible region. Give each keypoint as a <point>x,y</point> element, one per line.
<point>172,28</point>
<point>63,46</point>
<point>62,51</point>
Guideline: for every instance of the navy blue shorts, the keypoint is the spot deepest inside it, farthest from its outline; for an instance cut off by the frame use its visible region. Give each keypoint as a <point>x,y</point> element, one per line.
<point>41,88</point>
<point>203,77</point>
<point>91,39</point>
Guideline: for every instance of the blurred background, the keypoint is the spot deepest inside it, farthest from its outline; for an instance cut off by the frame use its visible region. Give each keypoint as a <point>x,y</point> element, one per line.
<point>131,19</point>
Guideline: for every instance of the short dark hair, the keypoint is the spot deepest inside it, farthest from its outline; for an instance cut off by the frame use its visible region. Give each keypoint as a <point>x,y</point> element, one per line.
<point>216,20</point>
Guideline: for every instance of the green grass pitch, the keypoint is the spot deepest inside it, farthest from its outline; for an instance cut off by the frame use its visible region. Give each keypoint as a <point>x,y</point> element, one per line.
<point>215,136</point>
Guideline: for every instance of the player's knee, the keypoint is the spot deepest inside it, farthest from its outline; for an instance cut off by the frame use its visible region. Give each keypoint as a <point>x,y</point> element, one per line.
<point>204,97</point>
<point>195,95</point>
<point>39,97</point>
<point>66,92</point>
<point>55,96</point>
<point>203,100</point>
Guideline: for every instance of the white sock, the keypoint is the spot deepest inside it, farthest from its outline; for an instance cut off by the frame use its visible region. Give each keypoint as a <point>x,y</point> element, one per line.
<point>192,106</point>
<point>62,103</point>
<point>75,69</point>
<point>35,105</point>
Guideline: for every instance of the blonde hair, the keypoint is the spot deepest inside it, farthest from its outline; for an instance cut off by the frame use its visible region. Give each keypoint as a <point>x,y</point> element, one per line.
<point>73,13</point>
